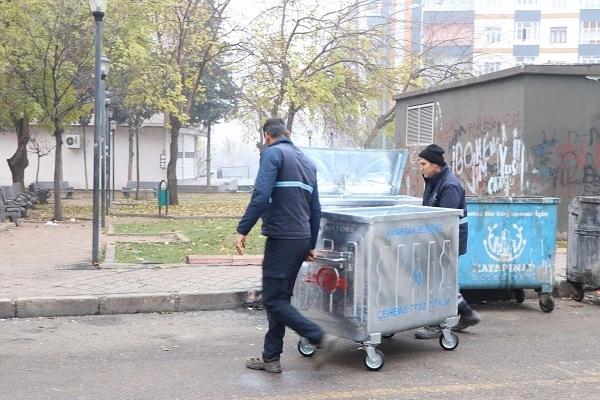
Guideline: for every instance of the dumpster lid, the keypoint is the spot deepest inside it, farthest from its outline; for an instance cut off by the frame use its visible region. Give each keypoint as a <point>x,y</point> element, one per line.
<point>358,171</point>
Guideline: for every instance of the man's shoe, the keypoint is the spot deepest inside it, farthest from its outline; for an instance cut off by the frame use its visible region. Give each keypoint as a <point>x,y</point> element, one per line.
<point>428,332</point>
<point>269,365</point>
<point>465,322</point>
<point>324,350</point>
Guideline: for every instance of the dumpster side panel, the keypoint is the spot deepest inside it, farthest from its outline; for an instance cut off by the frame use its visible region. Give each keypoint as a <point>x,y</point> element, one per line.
<point>583,242</point>
<point>400,273</point>
<point>511,245</point>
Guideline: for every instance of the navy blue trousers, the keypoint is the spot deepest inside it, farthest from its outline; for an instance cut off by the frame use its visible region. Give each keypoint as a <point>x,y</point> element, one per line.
<point>281,263</point>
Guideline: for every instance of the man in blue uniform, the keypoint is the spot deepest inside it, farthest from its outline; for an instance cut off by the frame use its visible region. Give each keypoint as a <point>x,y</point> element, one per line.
<point>443,189</point>
<point>286,197</point>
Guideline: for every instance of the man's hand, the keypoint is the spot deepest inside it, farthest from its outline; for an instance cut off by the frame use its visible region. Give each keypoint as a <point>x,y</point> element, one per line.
<point>311,255</point>
<point>240,243</point>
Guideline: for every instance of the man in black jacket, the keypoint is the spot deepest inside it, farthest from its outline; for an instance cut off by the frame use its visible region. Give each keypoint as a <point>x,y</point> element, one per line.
<point>286,197</point>
<point>443,189</point>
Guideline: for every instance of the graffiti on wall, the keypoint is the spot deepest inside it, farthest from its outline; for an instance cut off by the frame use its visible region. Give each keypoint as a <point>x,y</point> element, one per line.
<point>570,167</point>
<point>487,154</point>
<point>490,158</point>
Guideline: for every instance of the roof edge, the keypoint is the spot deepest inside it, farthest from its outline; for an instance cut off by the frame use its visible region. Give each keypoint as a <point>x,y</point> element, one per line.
<point>562,69</point>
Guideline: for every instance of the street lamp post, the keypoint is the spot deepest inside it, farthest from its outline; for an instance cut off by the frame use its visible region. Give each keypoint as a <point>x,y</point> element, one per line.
<point>98,9</point>
<point>309,133</point>
<point>104,66</point>
<point>331,142</point>
<point>113,128</point>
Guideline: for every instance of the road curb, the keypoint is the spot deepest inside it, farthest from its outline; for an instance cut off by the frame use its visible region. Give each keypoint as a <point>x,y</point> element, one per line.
<point>125,304</point>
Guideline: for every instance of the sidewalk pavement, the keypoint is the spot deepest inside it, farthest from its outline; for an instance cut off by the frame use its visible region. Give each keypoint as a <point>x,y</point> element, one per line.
<point>46,271</point>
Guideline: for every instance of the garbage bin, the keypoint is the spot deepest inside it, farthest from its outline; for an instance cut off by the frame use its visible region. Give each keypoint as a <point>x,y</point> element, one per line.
<point>381,270</point>
<point>162,196</point>
<point>512,245</point>
<point>583,244</point>
<point>359,177</point>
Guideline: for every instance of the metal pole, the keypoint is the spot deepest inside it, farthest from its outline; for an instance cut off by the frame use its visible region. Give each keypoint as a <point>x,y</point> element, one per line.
<point>103,158</point>
<point>98,105</point>
<point>112,157</point>
<point>107,156</point>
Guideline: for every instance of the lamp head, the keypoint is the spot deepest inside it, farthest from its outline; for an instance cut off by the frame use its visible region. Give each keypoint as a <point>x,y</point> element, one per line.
<point>98,6</point>
<point>104,66</point>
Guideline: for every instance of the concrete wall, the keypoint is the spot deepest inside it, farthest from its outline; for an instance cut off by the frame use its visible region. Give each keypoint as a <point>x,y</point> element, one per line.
<point>529,131</point>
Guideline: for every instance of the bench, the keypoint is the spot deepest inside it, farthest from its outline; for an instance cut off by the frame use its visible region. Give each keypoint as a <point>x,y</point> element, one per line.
<point>15,192</point>
<point>11,212</point>
<point>12,199</point>
<point>49,187</point>
<point>144,187</point>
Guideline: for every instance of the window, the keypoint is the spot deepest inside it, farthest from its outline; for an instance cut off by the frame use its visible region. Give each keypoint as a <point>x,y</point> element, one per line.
<point>528,2</point>
<point>490,67</point>
<point>559,3</point>
<point>558,35</point>
<point>419,124</point>
<point>589,59</point>
<point>492,35</point>
<point>527,31</point>
<point>525,60</point>
<point>589,32</point>
<point>590,4</point>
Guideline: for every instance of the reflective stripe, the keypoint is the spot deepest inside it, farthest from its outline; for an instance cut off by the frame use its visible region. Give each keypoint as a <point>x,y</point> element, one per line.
<point>462,220</point>
<point>287,184</point>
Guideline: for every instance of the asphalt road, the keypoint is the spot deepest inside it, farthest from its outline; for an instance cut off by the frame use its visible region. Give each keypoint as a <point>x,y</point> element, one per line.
<point>517,352</point>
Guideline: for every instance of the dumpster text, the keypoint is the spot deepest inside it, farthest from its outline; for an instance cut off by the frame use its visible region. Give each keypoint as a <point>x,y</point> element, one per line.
<point>412,308</point>
<point>413,230</point>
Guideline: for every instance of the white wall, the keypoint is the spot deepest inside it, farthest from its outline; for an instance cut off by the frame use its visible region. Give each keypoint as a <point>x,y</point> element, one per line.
<point>152,144</point>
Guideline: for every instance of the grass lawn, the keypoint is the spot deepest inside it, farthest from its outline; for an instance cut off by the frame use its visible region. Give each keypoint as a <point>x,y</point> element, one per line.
<point>207,236</point>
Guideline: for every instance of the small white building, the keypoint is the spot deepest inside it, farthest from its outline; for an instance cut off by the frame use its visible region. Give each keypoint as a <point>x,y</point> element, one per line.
<point>78,154</point>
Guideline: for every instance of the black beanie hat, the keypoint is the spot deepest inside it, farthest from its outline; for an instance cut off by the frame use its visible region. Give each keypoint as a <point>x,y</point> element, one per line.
<point>433,153</point>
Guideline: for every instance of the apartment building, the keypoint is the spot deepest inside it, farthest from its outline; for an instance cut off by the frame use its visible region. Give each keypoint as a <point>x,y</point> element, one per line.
<point>499,34</point>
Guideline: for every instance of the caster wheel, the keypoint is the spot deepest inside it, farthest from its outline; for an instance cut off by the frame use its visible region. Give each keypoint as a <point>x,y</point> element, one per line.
<point>388,336</point>
<point>306,351</point>
<point>579,294</point>
<point>449,344</point>
<point>546,303</point>
<point>519,295</point>
<point>375,363</point>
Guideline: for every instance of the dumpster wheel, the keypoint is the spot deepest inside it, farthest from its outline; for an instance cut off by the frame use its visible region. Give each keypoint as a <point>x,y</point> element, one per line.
<point>376,362</point>
<point>579,293</point>
<point>519,295</point>
<point>449,344</point>
<point>546,302</point>
<point>305,348</point>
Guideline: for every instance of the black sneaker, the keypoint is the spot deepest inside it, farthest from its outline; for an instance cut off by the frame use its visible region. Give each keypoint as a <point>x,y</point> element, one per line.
<point>465,322</point>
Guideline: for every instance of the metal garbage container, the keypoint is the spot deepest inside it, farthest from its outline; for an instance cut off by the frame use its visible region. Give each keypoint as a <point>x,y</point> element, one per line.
<point>512,245</point>
<point>583,244</point>
<point>381,270</point>
<point>162,196</point>
<point>359,177</point>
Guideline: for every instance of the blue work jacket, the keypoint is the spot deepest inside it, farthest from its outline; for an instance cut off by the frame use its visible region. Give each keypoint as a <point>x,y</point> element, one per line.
<point>285,195</point>
<point>444,190</point>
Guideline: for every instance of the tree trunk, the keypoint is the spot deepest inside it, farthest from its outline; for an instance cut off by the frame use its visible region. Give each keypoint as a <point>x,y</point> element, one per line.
<point>57,172</point>
<point>208,160</point>
<point>131,153</point>
<point>381,122</point>
<point>85,171</point>
<point>172,166</point>
<point>19,161</point>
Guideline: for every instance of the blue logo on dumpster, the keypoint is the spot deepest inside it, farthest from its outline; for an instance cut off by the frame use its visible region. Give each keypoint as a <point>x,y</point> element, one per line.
<point>504,244</point>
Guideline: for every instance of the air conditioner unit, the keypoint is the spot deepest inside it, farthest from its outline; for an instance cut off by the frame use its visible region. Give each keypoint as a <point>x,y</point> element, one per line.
<point>73,141</point>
